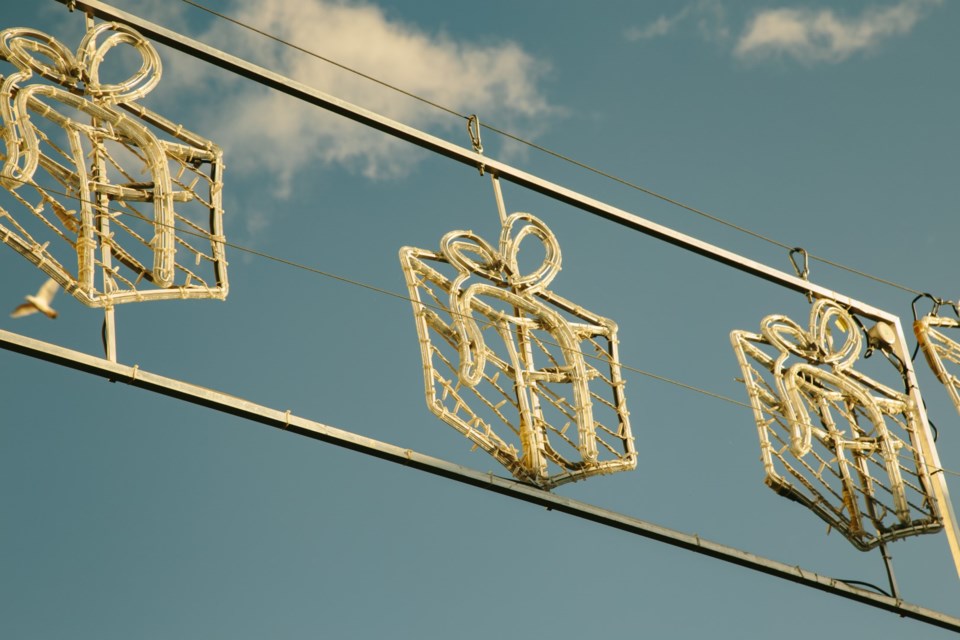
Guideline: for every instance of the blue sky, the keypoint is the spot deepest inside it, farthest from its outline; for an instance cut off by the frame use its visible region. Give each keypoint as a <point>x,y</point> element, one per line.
<point>826,125</point>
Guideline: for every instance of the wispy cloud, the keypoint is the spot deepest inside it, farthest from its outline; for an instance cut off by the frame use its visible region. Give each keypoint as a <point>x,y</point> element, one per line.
<point>659,27</point>
<point>709,16</point>
<point>813,36</point>
<point>806,35</point>
<point>264,131</point>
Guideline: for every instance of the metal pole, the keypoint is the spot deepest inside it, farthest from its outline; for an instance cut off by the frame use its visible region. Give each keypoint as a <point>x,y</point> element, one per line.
<point>929,449</point>
<point>286,421</point>
<point>891,576</point>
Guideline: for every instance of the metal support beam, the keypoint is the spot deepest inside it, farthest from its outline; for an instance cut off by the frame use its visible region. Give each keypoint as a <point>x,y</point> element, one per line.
<point>363,116</point>
<point>285,421</point>
<point>499,169</point>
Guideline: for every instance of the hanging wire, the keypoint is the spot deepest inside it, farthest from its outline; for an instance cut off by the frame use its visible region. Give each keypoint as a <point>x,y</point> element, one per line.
<point>555,154</point>
<point>313,54</point>
<point>937,302</point>
<point>869,585</point>
<point>375,289</point>
<point>475,136</point>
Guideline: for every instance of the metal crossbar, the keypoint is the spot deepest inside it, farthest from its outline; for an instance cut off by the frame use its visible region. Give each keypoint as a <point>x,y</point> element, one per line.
<point>284,420</point>
<point>501,170</point>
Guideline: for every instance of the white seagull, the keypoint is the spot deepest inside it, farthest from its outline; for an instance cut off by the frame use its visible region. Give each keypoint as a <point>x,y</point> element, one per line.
<point>40,302</point>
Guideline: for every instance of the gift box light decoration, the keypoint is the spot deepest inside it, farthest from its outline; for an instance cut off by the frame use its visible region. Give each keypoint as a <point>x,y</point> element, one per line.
<point>527,375</point>
<point>940,350</point>
<point>95,182</point>
<point>832,438</point>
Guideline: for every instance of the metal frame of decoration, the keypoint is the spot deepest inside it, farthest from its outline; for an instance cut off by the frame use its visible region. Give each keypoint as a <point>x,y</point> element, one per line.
<point>528,376</point>
<point>97,180</point>
<point>832,438</point>
<point>588,205</point>
<point>940,350</point>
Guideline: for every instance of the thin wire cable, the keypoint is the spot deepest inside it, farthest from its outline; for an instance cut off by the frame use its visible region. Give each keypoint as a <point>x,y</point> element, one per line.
<point>555,154</point>
<point>316,55</point>
<point>370,287</point>
<point>399,296</point>
<point>393,294</point>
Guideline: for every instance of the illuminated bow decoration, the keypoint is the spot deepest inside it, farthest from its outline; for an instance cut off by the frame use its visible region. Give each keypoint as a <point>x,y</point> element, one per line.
<point>472,255</point>
<point>817,346</point>
<point>80,75</point>
<point>814,345</point>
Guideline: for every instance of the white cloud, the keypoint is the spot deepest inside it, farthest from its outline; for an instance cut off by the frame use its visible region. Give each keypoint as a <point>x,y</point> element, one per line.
<point>821,36</point>
<point>709,16</point>
<point>264,130</point>
<point>659,27</point>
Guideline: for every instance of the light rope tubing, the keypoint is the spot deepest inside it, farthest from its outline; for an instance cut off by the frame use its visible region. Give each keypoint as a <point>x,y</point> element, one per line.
<point>550,152</point>
<point>507,134</point>
<point>533,145</point>
<point>393,294</point>
<point>380,290</point>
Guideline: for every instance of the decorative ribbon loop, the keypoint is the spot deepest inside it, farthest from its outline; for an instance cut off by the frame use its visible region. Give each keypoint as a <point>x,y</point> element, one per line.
<point>826,316</point>
<point>55,62</point>
<point>456,247</point>
<point>815,345</point>
<point>472,255</point>
<point>788,336</point>
<point>19,45</point>
<point>90,55</point>
<point>510,242</point>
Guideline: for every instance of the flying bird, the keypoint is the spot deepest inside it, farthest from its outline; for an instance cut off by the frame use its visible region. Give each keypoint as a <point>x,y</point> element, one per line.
<point>39,302</point>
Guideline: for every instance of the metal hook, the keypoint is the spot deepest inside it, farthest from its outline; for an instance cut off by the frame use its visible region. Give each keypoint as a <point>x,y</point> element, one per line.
<point>934,310</point>
<point>937,302</point>
<point>473,130</point>
<point>804,273</point>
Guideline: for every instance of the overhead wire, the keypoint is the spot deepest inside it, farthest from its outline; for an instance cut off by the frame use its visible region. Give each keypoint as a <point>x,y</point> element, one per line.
<point>555,154</point>
<point>370,287</point>
<point>316,55</point>
<point>399,296</point>
<point>545,150</point>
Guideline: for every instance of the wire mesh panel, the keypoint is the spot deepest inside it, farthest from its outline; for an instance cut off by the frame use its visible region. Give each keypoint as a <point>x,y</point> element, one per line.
<point>941,351</point>
<point>96,183</point>
<point>528,376</point>
<point>843,444</point>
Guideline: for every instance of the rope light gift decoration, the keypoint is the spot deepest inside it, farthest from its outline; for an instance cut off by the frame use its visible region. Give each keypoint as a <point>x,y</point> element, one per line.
<point>528,376</point>
<point>940,350</point>
<point>97,181</point>
<point>843,444</point>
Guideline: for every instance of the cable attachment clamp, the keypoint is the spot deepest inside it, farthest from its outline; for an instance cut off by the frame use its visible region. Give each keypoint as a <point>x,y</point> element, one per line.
<point>473,130</point>
<point>937,303</point>
<point>804,272</point>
